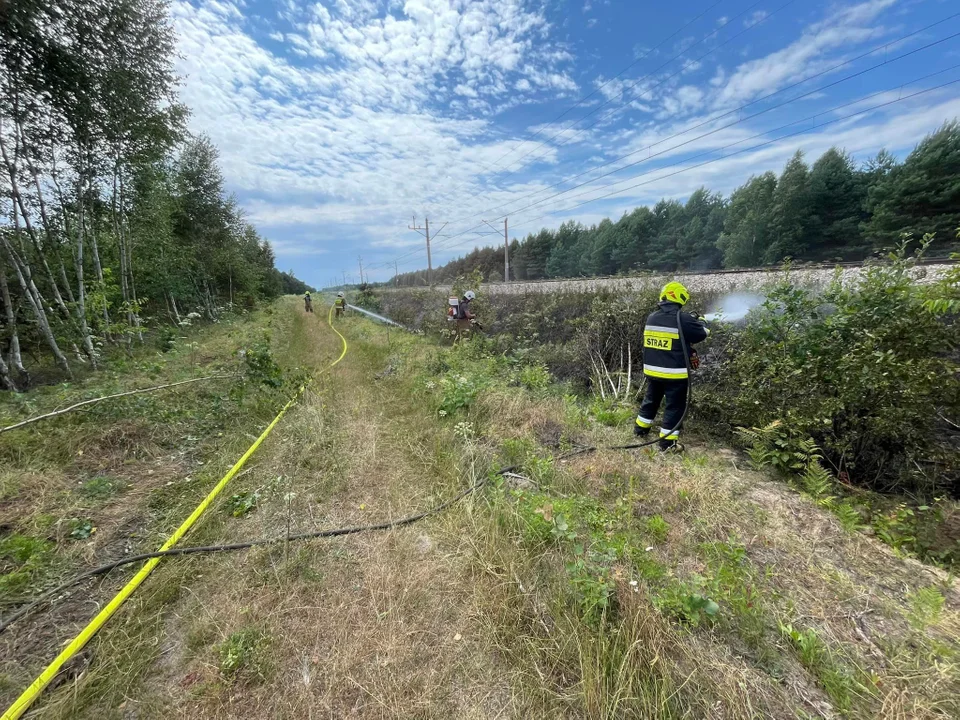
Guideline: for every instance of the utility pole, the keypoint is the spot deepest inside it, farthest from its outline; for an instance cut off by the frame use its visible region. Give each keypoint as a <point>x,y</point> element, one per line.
<point>426,231</point>
<point>396,274</point>
<point>344,279</point>
<point>506,249</point>
<point>506,253</point>
<point>360,260</point>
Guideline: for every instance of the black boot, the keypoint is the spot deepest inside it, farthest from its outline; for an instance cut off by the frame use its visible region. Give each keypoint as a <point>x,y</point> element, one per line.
<point>669,446</point>
<point>639,431</point>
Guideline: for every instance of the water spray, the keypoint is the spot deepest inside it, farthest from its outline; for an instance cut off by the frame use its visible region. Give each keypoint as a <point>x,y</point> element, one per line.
<point>734,307</point>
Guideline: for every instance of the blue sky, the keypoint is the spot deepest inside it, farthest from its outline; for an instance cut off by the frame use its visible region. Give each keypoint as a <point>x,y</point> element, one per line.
<point>338,121</point>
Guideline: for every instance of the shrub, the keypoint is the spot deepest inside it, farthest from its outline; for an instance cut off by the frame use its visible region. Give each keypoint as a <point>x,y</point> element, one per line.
<point>366,299</point>
<point>535,377</point>
<point>261,367</point>
<point>858,369</point>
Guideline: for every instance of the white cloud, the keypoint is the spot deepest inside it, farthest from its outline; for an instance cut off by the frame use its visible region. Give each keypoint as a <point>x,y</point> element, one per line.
<point>348,135</point>
<point>755,18</point>
<point>377,109</point>
<point>808,54</point>
<point>896,129</point>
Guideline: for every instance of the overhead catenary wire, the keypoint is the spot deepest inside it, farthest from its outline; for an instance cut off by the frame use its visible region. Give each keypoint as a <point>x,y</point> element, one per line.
<point>448,244</point>
<point>814,126</point>
<point>708,152</point>
<point>684,67</point>
<point>802,131</point>
<point>583,99</point>
<point>748,27</point>
<point>741,108</point>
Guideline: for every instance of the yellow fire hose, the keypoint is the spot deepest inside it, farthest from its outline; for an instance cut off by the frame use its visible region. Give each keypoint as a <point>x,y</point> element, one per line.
<point>28,696</point>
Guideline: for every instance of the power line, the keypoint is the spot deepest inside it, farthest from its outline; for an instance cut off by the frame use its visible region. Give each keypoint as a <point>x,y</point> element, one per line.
<point>638,81</point>
<point>607,82</point>
<point>699,137</point>
<point>741,108</point>
<point>716,130</point>
<point>814,126</point>
<point>883,46</point>
<point>604,84</point>
<point>748,28</point>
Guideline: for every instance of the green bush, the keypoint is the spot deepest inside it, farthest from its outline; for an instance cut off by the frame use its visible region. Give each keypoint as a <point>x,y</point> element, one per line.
<point>366,299</point>
<point>859,369</point>
<point>535,377</point>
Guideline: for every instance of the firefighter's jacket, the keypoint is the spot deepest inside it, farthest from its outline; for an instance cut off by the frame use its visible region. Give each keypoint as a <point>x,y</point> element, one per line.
<point>663,356</point>
<point>340,303</point>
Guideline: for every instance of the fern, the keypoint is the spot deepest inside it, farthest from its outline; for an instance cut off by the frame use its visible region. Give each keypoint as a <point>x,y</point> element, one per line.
<point>817,481</point>
<point>848,516</point>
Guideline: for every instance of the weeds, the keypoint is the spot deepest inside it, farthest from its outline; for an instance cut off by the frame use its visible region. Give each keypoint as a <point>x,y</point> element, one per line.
<point>658,528</point>
<point>837,680</point>
<point>102,487</point>
<point>926,606</point>
<point>24,561</point>
<point>81,528</point>
<point>243,652</point>
<point>242,503</point>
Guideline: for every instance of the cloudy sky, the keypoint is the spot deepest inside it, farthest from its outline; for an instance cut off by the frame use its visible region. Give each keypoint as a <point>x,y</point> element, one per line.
<point>339,121</point>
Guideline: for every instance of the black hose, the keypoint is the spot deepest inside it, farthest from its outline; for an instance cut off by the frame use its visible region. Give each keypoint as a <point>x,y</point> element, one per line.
<point>232,547</point>
<point>409,520</point>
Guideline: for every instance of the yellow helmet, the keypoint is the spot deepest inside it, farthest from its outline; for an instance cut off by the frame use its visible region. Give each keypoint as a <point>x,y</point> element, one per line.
<point>675,292</point>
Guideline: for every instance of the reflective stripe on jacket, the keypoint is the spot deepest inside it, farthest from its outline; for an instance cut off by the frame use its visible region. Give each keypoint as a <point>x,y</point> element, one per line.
<point>662,351</point>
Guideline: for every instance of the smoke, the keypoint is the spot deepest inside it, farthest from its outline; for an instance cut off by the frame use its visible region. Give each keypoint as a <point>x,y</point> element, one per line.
<point>733,307</point>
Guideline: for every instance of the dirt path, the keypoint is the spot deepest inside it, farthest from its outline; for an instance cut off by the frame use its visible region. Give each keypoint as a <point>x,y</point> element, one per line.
<point>374,625</point>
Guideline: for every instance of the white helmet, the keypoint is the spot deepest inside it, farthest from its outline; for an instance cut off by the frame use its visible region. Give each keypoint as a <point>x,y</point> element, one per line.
<point>470,295</point>
<point>340,294</point>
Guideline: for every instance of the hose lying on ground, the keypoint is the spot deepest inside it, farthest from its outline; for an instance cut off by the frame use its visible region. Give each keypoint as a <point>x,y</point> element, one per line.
<point>65,410</point>
<point>389,525</point>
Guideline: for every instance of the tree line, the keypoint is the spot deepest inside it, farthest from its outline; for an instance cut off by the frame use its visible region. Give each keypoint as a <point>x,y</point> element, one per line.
<point>113,215</point>
<point>834,210</point>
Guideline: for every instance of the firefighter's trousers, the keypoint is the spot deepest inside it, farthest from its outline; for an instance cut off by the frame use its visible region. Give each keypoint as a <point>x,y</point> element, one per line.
<point>675,394</point>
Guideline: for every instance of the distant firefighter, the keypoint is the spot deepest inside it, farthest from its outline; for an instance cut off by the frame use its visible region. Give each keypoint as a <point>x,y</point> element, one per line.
<point>307,302</point>
<point>340,304</point>
<point>460,314</point>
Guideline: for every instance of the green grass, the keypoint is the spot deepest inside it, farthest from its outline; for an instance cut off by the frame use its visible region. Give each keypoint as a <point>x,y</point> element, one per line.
<point>24,562</point>
<point>842,683</point>
<point>101,488</point>
<point>244,652</point>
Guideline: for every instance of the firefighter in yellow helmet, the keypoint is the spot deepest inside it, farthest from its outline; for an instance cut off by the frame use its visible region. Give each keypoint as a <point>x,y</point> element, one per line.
<point>666,365</point>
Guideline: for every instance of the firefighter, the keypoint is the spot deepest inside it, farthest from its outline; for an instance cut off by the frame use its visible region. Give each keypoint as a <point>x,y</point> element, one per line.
<point>462,315</point>
<point>340,304</point>
<point>665,365</point>
<point>307,302</point>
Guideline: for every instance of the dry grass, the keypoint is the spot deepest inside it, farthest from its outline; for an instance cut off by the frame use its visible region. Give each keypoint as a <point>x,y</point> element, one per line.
<point>466,615</point>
